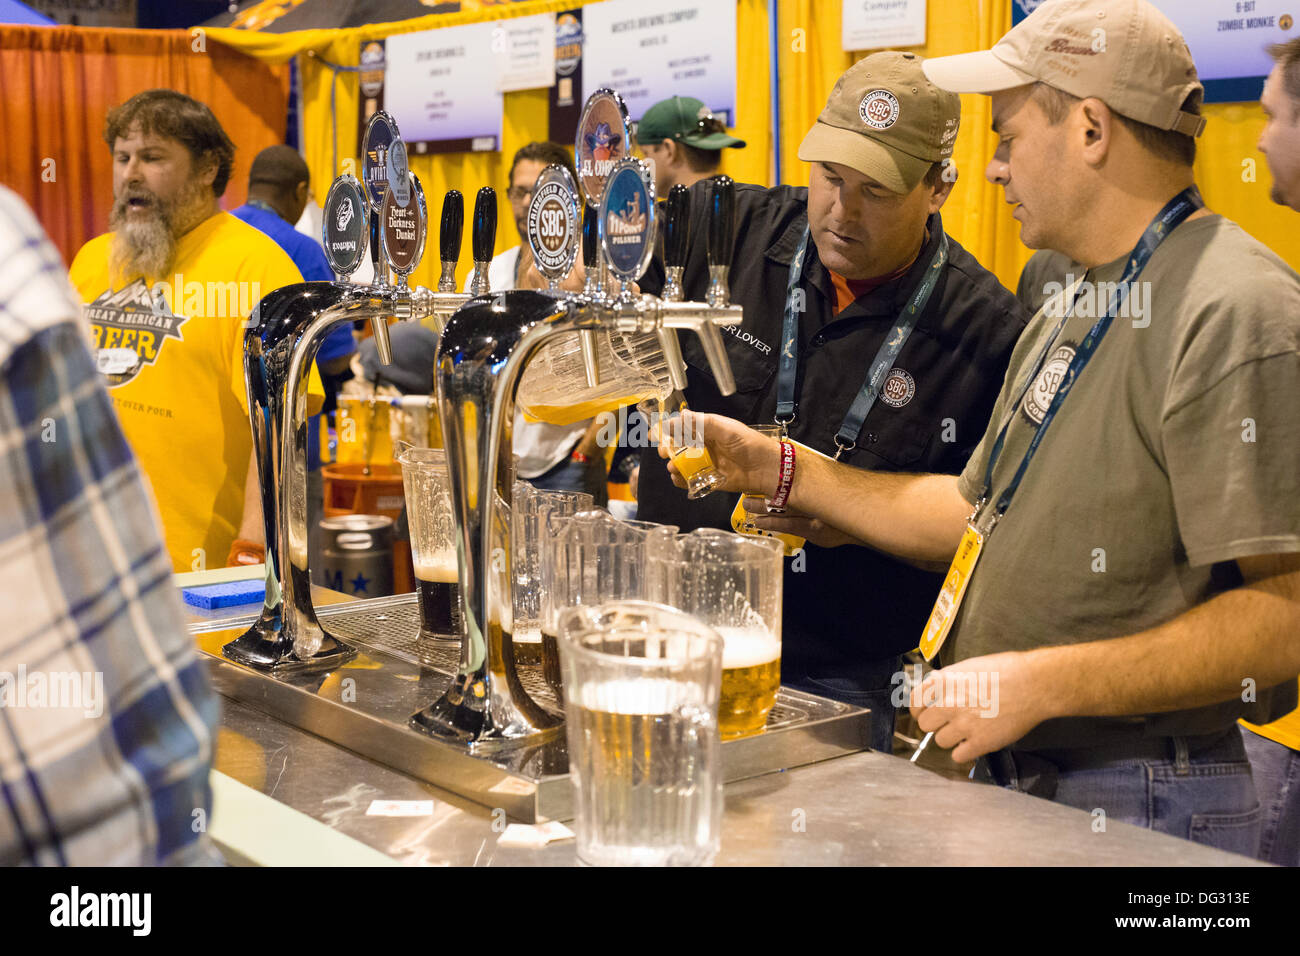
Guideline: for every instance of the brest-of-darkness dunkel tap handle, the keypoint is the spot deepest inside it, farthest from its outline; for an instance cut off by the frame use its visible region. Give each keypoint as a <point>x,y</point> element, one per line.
<point>484,238</point>
<point>676,230</point>
<point>449,237</point>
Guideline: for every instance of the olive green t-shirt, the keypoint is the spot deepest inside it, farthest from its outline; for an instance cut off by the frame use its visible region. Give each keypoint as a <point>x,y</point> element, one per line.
<point>1176,452</point>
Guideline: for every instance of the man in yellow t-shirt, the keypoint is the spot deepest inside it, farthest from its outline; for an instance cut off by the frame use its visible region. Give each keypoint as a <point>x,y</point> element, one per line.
<point>167,294</point>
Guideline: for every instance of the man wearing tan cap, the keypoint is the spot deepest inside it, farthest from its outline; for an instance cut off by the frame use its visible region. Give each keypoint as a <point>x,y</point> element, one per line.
<point>897,342</point>
<point>1128,582</point>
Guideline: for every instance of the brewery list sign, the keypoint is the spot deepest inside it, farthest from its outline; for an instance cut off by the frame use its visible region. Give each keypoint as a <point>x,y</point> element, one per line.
<point>525,52</point>
<point>441,87</point>
<point>649,50</point>
<point>879,24</point>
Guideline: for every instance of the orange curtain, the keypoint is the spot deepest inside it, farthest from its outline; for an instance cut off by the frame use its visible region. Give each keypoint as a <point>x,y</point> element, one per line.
<point>57,84</point>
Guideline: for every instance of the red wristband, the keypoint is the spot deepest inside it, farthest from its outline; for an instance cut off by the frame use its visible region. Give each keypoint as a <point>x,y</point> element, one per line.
<point>785,481</point>
<point>580,458</point>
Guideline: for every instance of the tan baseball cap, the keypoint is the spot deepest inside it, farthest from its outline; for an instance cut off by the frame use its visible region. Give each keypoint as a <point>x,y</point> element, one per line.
<point>885,120</point>
<point>1125,53</point>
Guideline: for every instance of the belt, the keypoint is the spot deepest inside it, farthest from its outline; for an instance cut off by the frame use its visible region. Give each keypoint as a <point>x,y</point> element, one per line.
<point>1036,771</point>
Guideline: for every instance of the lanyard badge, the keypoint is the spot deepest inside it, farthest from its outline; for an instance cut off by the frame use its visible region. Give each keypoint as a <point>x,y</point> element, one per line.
<point>962,568</point>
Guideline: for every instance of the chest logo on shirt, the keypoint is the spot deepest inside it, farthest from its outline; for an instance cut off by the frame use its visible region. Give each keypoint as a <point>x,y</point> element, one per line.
<point>1039,397</point>
<point>133,319</point>
<point>898,389</point>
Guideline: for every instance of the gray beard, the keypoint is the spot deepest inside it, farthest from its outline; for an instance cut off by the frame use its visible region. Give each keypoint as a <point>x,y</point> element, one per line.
<point>148,247</point>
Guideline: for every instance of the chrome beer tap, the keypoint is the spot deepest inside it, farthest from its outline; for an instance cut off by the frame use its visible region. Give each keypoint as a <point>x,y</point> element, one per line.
<point>482,354</point>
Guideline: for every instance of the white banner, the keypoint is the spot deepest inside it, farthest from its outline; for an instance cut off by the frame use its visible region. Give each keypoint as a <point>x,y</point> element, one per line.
<point>878,24</point>
<point>441,87</point>
<point>649,50</point>
<point>525,52</point>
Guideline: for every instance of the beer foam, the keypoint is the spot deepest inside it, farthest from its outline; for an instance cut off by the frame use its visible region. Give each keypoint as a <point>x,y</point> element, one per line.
<point>438,572</point>
<point>747,647</point>
<point>638,696</point>
<point>528,635</point>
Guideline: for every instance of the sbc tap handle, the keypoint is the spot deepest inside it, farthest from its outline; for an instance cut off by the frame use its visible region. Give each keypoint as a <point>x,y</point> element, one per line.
<point>453,226</point>
<point>485,224</point>
<point>722,214</point>
<point>677,227</point>
<point>590,238</point>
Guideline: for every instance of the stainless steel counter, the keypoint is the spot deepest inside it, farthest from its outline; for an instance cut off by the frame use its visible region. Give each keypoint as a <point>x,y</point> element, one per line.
<point>867,809</point>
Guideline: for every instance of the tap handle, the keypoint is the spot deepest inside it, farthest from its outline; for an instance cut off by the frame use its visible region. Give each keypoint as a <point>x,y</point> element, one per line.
<point>485,224</point>
<point>677,227</point>
<point>453,226</point>
<point>374,244</point>
<point>722,210</point>
<point>590,238</point>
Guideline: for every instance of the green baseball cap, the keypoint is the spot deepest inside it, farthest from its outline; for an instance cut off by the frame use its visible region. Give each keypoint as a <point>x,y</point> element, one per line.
<point>885,120</point>
<point>686,120</point>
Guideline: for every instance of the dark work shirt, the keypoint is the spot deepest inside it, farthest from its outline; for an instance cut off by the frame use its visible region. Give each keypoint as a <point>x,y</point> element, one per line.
<point>847,606</point>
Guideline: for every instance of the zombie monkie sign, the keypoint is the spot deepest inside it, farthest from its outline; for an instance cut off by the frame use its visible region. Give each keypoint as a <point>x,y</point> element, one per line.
<point>130,329</point>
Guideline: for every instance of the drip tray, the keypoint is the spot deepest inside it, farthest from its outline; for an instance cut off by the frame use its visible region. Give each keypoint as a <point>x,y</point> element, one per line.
<point>365,705</point>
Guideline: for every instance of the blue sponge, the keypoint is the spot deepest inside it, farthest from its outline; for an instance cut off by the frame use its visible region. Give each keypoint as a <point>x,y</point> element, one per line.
<point>230,594</point>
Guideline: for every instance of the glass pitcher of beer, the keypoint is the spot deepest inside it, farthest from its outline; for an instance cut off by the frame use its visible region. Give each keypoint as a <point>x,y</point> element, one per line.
<point>432,522</point>
<point>734,584</point>
<point>589,558</point>
<point>644,754</point>
<point>554,386</point>
<point>531,508</point>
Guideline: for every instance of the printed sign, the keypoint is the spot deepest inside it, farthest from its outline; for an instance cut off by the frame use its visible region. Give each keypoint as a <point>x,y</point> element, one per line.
<point>525,52</point>
<point>880,24</point>
<point>650,50</point>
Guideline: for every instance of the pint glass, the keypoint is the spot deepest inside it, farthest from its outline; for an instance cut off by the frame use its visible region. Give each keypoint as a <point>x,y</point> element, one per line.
<point>433,544</point>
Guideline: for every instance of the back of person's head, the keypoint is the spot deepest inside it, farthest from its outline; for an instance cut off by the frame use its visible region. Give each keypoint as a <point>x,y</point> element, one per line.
<point>176,116</point>
<point>1287,56</point>
<point>542,152</point>
<point>279,167</point>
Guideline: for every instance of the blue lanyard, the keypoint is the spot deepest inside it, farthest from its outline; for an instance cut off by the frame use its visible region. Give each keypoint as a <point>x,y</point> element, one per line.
<point>1165,222</point>
<point>846,438</point>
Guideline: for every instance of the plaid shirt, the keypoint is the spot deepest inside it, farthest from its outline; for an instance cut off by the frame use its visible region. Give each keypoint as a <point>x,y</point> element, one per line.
<point>106,714</point>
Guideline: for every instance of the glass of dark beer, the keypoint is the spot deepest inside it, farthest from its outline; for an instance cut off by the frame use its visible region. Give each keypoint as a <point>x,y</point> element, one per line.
<point>429,514</point>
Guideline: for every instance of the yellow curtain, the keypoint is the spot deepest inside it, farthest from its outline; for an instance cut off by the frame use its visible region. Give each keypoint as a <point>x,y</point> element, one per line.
<point>1233,175</point>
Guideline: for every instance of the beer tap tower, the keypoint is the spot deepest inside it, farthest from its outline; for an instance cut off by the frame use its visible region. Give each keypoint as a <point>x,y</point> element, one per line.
<point>482,354</point>
<point>279,350</point>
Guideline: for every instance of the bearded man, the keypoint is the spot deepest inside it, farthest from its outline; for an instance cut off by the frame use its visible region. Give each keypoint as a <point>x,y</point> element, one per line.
<point>169,292</point>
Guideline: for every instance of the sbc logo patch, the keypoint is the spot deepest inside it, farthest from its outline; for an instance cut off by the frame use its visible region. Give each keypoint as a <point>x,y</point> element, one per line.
<point>879,109</point>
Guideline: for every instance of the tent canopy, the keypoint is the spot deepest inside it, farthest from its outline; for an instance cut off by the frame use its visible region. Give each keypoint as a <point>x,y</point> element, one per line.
<point>11,11</point>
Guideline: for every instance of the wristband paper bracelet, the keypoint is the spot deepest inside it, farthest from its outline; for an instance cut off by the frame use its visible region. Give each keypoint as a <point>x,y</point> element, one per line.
<point>785,481</point>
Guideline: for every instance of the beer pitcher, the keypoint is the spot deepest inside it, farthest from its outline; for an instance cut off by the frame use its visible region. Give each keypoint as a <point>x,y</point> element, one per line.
<point>734,584</point>
<point>531,508</point>
<point>433,545</point>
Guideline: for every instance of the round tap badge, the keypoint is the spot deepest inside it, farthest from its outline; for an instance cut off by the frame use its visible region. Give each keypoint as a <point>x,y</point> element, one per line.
<point>398,173</point>
<point>381,133</point>
<point>402,229</point>
<point>627,220</point>
<point>345,224</point>
<point>604,138</point>
<point>553,222</point>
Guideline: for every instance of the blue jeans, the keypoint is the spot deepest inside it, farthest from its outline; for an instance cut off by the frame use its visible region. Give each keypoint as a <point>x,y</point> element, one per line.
<point>1198,788</point>
<point>870,686</point>
<point>1277,778</point>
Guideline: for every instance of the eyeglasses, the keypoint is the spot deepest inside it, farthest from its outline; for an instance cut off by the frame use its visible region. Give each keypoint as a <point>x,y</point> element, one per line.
<point>519,193</point>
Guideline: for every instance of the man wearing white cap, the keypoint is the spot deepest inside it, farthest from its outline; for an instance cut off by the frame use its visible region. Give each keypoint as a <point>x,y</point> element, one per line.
<point>1128,581</point>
